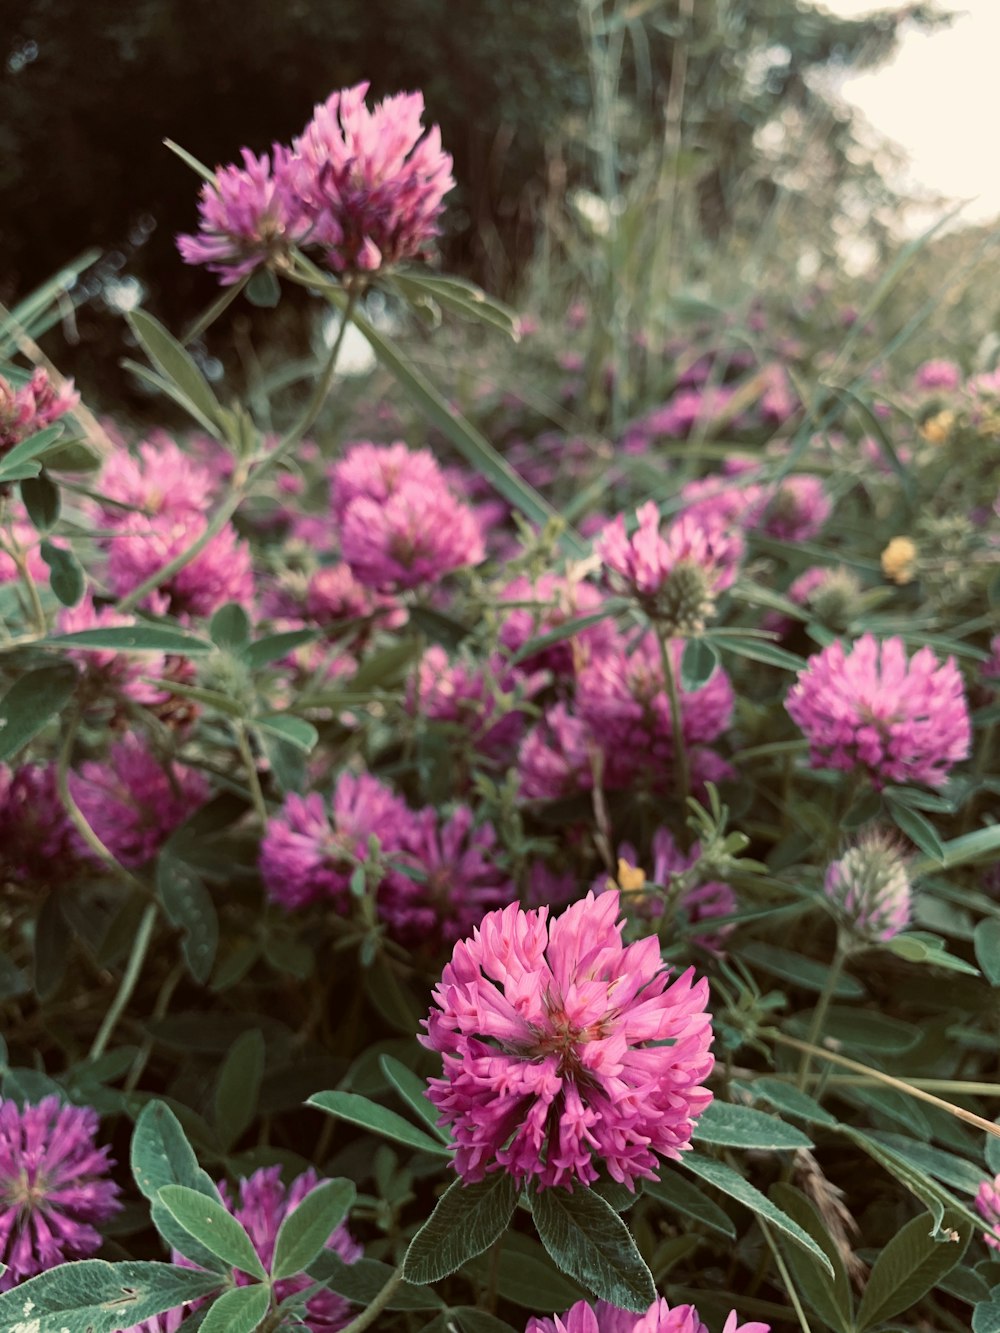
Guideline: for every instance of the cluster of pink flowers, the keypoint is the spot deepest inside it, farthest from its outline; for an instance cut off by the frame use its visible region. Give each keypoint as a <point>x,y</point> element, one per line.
<point>482,701</point>
<point>400,523</point>
<point>30,408</point>
<point>437,875</point>
<point>365,186</point>
<point>988,1208</point>
<point>792,510</point>
<point>872,708</point>
<point>105,671</point>
<point>54,1187</point>
<point>566,1052</point>
<point>37,842</point>
<point>659,1318</point>
<point>132,801</point>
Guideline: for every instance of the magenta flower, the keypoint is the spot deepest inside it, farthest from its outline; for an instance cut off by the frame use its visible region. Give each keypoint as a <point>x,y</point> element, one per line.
<point>104,670</point>
<point>459,880</point>
<point>557,757</point>
<point>160,478</point>
<point>483,700</point>
<point>869,889</point>
<point>871,708</point>
<point>701,903</point>
<point>988,1207</point>
<point>309,854</point>
<point>938,374</point>
<point>675,577</point>
<point>372,183</point>
<point>565,1052</point>
<point>377,471</point>
<point>419,534</point>
<point>32,407</point>
<point>37,843</point>
<point>132,802</point>
<point>659,1318</point>
<point>795,510</point>
<point>221,571</point>
<point>54,1187</point>
<point>249,216</point>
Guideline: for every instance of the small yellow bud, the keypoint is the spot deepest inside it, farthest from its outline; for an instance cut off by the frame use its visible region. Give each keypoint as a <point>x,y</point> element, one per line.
<point>630,877</point>
<point>899,560</point>
<point>936,429</point>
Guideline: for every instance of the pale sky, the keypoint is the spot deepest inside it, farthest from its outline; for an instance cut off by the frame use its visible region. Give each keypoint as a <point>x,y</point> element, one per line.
<point>938,101</point>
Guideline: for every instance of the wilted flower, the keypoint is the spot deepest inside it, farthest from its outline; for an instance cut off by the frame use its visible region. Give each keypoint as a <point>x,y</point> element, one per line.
<point>249,215</point>
<point>54,1187</point>
<point>899,560</point>
<point>659,1318</point>
<point>988,1207</point>
<point>372,183</point>
<point>675,577</point>
<point>565,1051</point>
<point>937,429</point>
<point>869,889</point>
<point>900,720</point>
<point>132,802</point>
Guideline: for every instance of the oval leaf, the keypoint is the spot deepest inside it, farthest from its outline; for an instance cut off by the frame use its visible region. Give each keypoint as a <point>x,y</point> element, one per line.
<point>212,1226</point>
<point>360,1111</point>
<point>135,639</point>
<point>31,702</point>
<point>741,1127</point>
<point>238,1311</point>
<point>698,662</point>
<point>466,1221</point>
<point>100,1297</point>
<point>909,1266</point>
<point>589,1241</point>
<point>987,942</point>
<point>167,354</point>
<point>305,1231</point>
<point>238,1087</point>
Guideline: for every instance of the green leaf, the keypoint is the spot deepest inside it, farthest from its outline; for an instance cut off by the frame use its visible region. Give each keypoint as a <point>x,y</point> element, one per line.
<point>238,1311</point>
<point>742,1127</point>
<point>41,499</point>
<point>804,972</point>
<point>306,1230</point>
<point>858,1028</point>
<point>230,627</point>
<point>589,1242</point>
<point>952,1170</point>
<point>189,906</point>
<point>698,663</point>
<point>918,828</point>
<point>438,627</point>
<point>682,1197</point>
<point>179,367</point>
<point>31,703</point>
<point>473,446</point>
<point>986,1317</point>
<point>213,1226</point>
<point>362,1281</point>
<point>982,844</point>
<point>921,948</point>
<point>274,646</point>
<point>829,1296</point>
<point>993,1151</point>
<point>467,1319</point>
<point>909,1266</point>
<point>52,943</point>
<point>934,1196</point>
<point>360,1111</point>
<point>466,1221</point>
<point>463,298</point>
<point>730,1182</point>
<point>161,1154</point>
<point>525,1275</point>
<point>264,289</point>
<point>238,1087</point>
<point>790,1100</point>
<point>760,650</point>
<point>66,577</point>
<point>99,1297</point>
<point>293,730</point>
<point>135,639</point>
<point>987,944</point>
<point>567,630</point>
<point>413,1090</point>
<point>21,462</point>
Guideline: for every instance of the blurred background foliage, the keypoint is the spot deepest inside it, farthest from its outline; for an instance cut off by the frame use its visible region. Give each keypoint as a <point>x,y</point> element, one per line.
<point>722,101</point>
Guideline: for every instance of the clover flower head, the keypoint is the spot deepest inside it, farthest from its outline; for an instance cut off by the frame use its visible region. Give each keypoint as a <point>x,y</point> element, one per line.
<point>659,1318</point>
<point>872,708</point>
<point>54,1187</point>
<point>566,1052</point>
<point>869,888</point>
<point>988,1207</point>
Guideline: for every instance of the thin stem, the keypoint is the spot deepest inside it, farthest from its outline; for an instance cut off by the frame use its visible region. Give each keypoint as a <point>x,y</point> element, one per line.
<point>819,1013</point>
<point>786,1276</point>
<point>901,1085</point>
<point>15,550</point>
<point>682,772</point>
<point>368,1317</point>
<point>253,777</point>
<point>137,957</point>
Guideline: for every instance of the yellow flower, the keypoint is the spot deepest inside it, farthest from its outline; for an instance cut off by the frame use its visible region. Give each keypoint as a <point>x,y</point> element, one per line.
<point>630,877</point>
<point>936,429</point>
<point>899,560</point>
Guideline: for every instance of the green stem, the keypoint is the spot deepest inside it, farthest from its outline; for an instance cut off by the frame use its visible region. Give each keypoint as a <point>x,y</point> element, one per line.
<point>15,550</point>
<point>368,1317</point>
<point>819,1013</point>
<point>253,777</point>
<point>786,1276</point>
<point>137,957</point>
<point>682,772</point>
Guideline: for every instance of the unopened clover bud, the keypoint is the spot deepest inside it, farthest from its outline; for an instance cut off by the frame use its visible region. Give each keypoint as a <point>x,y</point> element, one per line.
<point>869,889</point>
